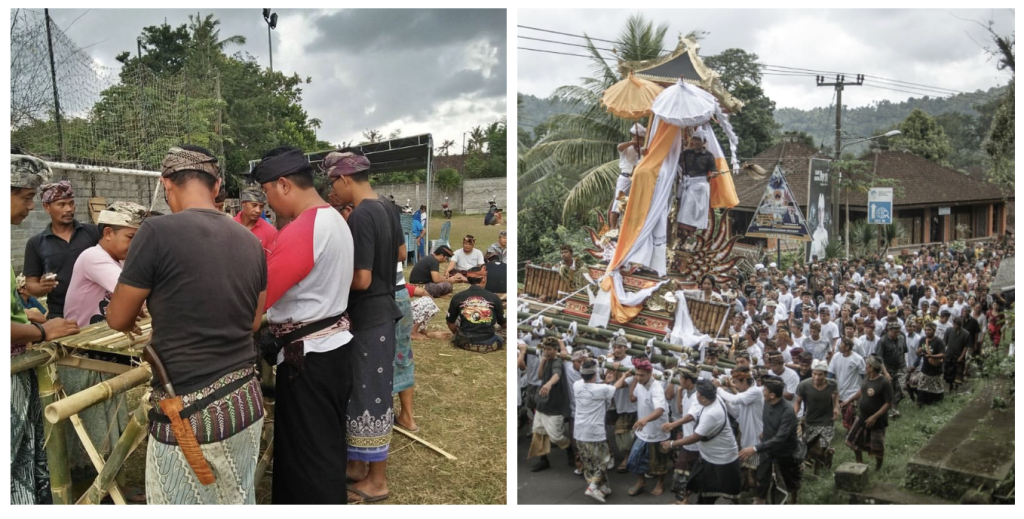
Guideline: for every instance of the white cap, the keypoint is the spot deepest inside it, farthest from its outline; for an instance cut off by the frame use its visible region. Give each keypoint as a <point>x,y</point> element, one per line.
<point>700,134</point>
<point>638,129</point>
<point>889,256</point>
<point>899,267</point>
<point>819,365</point>
<point>759,267</point>
<point>772,265</point>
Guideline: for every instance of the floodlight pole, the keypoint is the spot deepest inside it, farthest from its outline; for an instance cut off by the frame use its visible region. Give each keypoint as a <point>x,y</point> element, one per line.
<point>56,96</point>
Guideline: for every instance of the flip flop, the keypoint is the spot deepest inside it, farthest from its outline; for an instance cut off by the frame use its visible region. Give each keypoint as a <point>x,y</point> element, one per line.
<point>635,491</point>
<point>413,431</point>
<point>622,470</point>
<point>363,498</point>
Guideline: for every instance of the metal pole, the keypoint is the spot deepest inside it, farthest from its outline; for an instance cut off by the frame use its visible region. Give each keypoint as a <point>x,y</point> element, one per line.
<point>56,96</point>
<point>833,180</point>
<point>430,194</point>
<point>270,45</point>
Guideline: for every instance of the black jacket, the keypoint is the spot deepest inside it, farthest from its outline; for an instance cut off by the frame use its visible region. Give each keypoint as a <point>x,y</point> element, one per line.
<point>778,435</point>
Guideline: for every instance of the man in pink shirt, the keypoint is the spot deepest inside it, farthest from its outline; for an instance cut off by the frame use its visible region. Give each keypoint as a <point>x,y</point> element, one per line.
<point>253,201</point>
<point>98,268</point>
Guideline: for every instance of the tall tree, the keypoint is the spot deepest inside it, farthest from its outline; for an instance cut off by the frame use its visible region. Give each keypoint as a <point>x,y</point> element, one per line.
<point>1000,145</point>
<point>741,76</point>
<point>373,135</point>
<point>923,136</point>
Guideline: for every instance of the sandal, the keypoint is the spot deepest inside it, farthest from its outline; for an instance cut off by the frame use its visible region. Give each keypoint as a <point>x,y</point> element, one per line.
<point>635,491</point>
<point>363,498</point>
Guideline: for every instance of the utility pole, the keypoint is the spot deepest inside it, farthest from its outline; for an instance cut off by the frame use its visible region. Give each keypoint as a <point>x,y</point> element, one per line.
<point>839,84</point>
<point>56,96</point>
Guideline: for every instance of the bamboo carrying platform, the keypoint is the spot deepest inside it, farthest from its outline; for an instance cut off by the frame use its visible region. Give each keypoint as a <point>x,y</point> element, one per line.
<point>59,410</point>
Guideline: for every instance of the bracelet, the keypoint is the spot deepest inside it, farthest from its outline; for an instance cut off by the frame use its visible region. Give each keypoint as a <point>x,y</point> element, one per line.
<point>42,331</point>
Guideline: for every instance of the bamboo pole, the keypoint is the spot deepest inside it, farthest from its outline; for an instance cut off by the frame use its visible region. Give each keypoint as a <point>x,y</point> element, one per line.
<point>702,367</point>
<point>427,444</point>
<point>56,440</point>
<point>130,439</point>
<point>94,456</point>
<point>61,409</point>
<point>29,360</point>
<point>100,366</point>
<point>268,437</point>
<point>634,340</point>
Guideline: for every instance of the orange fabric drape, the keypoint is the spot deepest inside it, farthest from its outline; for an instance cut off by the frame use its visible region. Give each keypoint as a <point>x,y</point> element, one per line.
<point>645,176</point>
<point>723,191</point>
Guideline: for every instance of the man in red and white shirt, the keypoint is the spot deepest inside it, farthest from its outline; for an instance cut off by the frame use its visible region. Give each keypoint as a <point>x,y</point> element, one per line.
<point>309,273</point>
<point>251,216</point>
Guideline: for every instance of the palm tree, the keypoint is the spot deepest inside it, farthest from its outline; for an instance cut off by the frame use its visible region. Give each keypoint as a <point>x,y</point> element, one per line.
<point>477,139</point>
<point>205,46</point>
<point>580,147</point>
<point>445,146</point>
<point>315,124</point>
<point>373,135</point>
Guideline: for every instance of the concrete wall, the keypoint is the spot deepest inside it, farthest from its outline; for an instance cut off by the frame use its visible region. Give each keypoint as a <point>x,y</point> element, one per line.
<point>112,187</point>
<point>471,198</point>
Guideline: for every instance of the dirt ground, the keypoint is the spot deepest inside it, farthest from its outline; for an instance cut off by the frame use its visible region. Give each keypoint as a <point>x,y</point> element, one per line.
<point>460,406</point>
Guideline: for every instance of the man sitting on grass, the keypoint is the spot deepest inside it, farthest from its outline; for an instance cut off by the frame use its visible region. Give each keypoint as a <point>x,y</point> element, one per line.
<point>473,314</point>
<point>464,259</point>
<point>427,273</point>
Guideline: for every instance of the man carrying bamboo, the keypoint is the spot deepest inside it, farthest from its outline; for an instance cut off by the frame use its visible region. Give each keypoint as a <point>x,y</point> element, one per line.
<point>309,274</point>
<point>203,357</point>
<point>30,474</point>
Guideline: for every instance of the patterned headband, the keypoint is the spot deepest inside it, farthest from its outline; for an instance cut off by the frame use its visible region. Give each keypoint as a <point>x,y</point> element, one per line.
<point>180,159</point>
<point>341,164</point>
<point>61,190</point>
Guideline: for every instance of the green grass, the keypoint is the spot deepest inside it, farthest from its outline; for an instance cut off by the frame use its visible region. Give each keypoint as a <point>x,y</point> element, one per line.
<point>903,438</point>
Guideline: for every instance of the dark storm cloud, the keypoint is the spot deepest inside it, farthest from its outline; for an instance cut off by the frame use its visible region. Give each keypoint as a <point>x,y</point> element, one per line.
<point>438,71</point>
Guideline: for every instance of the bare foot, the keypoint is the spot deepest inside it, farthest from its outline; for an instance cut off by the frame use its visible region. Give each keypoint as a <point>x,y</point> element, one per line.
<point>357,470</point>
<point>439,335</point>
<point>406,422</point>
<point>657,489</point>
<point>416,336</point>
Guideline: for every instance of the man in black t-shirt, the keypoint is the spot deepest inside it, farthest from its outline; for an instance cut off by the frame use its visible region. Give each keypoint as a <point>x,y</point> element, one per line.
<point>376,228</point>
<point>206,344</point>
<point>427,273</point>
<point>875,397</point>
<point>473,313</point>
<point>497,273</point>
<point>50,255</point>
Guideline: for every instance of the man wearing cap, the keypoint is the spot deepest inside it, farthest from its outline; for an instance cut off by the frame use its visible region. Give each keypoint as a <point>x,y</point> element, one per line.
<point>778,444</point>
<point>893,350</point>
<point>50,255</point>
<point>820,398</point>
<point>473,314</point>
<point>464,259</point>
<point>30,475</point>
<point>874,399</point>
<point>717,475</point>
<point>310,275</point>
<point>500,247</point>
<point>696,167</point>
<point>645,457</point>
<point>592,400</point>
<point>253,201</point>
<point>92,282</point>
<point>629,155</point>
<point>427,273</point>
<point>378,244</point>
<point>207,348</point>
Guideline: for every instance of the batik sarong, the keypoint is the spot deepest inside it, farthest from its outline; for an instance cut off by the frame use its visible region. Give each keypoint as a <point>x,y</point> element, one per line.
<point>170,480</point>
<point>685,461</point>
<point>624,431</point>
<point>818,439</point>
<point>438,289</point>
<point>595,456</point>
<point>862,439</point>
<point>930,389</point>
<point>30,475</point>
<point>404,364</point>
<point>424,309</point>
<point>647,458</point>
<point>104,422</point>
<point>370,409</point>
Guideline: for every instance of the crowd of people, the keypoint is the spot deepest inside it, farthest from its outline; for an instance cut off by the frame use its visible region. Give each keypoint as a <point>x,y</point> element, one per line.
<point>320,300</point>
<point>832,340</point>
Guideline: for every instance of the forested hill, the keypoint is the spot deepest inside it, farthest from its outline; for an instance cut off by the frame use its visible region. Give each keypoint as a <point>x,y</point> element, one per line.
<point>820,122</point>
<point>534,110</point>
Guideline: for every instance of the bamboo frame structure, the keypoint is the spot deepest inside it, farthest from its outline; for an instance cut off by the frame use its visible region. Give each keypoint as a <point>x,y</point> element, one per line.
<point>133,434</point>
<point>56,440</point>
<point>94,457</point>
<point>609,365</point>
<point>101,392</point>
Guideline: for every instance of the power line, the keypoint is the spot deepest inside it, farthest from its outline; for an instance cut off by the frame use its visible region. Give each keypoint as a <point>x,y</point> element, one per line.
<point>563,53</point>
<point>564,43</point>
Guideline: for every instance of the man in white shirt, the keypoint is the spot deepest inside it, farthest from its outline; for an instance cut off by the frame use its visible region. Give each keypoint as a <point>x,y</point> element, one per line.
<point>943,324</point>
<point>747,404</point>
<point>785,299</point>
<point>625,408</point>
<point>464,259</point>
<point>819,347</point>
<point>720,475</point>
<point>646,457</point>
<point>777,367</point>
<point>866,344</point>
<point>848,368</point>
<point>687,457</point>
<point>592,399</point>
<point>629,156</point>
<point>829,329</point>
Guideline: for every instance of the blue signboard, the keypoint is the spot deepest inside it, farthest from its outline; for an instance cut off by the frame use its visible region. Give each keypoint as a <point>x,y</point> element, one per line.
<point>880,205</point>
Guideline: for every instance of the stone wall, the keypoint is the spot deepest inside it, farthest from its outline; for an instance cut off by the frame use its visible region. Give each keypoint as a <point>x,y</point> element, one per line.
<point>471,198</point>
<point>87,185</point>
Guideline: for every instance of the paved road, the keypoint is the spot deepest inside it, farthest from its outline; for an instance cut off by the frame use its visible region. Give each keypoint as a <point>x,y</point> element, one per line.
<point>558,484</point>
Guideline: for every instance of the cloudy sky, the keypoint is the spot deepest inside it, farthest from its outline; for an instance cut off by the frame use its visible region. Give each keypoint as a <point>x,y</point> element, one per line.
<point>937,48</point>
<point>421,71</point>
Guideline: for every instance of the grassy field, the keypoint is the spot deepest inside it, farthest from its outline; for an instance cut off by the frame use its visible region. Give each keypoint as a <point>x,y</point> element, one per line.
<point>460,406</point>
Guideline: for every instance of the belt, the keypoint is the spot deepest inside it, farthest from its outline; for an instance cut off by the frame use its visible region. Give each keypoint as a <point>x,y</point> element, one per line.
<point>624,174</point>
<point>202,403</point>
